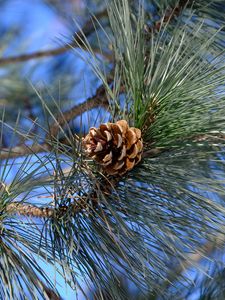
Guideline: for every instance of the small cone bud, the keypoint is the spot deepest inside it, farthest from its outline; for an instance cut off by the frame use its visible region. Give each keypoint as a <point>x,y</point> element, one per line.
<point>115,146</point>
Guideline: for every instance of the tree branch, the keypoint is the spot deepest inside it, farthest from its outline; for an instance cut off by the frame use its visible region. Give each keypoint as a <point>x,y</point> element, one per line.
<point>30,210</point>
<point>86,30</point>
<point>21,150</point>
<point>171,13</point>
<point>99,99</point>
<point>79,204</point>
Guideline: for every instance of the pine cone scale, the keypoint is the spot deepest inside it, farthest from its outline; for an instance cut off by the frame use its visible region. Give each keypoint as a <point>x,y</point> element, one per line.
<point>123,153</point>
<point>131,138</point>
<point>134,151</point>
<point>119,140</point>
<point>118,165</point>
<point>129,164</point>
<point>99,147</point>
<point>108,136</point>
<point>122,124</point>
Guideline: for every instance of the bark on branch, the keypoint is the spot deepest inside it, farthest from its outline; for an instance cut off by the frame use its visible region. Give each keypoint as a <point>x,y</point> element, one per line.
<point>21,150</point>
<point>86,30</point>
<point>98,100</point>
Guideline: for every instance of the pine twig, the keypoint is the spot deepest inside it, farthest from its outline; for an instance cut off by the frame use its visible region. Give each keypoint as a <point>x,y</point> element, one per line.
<point>99,99</point>
<point>22,150</point>
<point>31,210</point>
<point>87,29</point>
<point>79,204</point>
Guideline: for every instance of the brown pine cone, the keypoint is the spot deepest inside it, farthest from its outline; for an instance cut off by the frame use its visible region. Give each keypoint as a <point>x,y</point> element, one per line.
<point>115,146</point>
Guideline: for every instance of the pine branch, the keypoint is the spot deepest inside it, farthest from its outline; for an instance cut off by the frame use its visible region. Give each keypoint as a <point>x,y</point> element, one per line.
<point>99,99</point>
<point>158,212</point>
<point>87,29</point>
<point>30,210</point>
<point>22,150</point>
<point>81,204</point>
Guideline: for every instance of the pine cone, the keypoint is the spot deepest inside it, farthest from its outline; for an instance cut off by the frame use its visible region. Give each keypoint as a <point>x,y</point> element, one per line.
<point>115,146</point>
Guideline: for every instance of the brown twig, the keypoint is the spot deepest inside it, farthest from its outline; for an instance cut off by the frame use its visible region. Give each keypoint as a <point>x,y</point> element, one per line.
<point>31,210</point>
<point>21,150</point>
<point>86,30</point>
<point>171,13</point>
<point>77,205</point>
<point>99,99</point>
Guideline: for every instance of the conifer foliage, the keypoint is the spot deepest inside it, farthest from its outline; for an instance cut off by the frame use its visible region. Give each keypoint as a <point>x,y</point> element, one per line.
<point>129,202</point>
